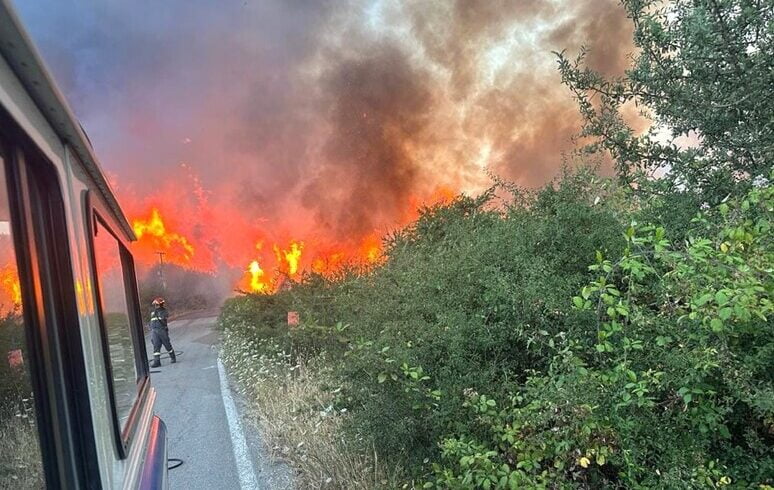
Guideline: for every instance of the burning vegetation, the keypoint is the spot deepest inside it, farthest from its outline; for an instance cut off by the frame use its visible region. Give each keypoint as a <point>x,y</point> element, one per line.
<point>10,287</point>
<point>315,129</point>
<point>270,262</point>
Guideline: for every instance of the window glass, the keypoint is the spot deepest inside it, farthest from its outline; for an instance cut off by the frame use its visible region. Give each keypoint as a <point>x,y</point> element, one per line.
<point>20,460</point>
<point>115,315</point>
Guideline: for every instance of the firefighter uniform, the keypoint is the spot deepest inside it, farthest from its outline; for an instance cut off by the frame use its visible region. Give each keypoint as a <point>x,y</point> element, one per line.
<point>160,334</point>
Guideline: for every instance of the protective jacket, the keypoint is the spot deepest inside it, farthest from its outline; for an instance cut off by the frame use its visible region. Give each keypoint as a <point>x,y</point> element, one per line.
<point>159,317</point>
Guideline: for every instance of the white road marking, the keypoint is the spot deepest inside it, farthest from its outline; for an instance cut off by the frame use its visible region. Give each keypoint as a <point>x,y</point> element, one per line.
<point>247,480</point>
<point>208,367</point>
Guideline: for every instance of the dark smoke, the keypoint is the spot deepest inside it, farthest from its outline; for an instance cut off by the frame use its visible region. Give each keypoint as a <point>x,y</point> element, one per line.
<point>378,107</point>
<point>320,118</point>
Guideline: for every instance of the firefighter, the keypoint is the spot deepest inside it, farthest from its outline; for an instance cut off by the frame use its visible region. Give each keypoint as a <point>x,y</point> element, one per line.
<point>160,333</point>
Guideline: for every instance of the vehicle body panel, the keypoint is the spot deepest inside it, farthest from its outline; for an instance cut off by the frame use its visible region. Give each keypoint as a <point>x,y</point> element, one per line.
<point>30,97</point>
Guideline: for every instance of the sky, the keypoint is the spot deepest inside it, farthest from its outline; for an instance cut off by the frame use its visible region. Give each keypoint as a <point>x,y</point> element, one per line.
<point>244,121</point>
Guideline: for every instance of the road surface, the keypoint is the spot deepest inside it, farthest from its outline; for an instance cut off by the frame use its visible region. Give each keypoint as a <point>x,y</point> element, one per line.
<point>205,429</point>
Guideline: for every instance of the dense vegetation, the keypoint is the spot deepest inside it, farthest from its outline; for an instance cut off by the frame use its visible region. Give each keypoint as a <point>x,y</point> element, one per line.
<point>596,333</point>
<point>20,460</point>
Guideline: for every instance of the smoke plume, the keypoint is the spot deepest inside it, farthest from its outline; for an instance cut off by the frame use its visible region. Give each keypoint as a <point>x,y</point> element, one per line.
<point>249,122</point>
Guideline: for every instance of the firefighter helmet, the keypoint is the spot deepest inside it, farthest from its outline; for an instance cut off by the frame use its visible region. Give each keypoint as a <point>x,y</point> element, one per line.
<point>159,301</point>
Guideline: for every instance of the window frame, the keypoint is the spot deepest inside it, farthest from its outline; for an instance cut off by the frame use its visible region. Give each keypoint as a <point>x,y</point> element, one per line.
<point>97,212</point>
<point>52,328</point>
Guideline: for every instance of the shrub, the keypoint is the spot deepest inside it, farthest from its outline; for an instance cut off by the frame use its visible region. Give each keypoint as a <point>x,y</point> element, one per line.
<point>470,298</point>
<point>678,389</point>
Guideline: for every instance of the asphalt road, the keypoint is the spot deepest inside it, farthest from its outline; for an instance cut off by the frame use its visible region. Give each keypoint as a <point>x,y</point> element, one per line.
<point>219,449</point>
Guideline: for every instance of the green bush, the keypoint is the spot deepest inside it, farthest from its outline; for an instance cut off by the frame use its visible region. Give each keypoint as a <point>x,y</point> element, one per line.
<point>470,298</point>
<point>475,298</point>
<point>485,352</point>
<point>678,390</point>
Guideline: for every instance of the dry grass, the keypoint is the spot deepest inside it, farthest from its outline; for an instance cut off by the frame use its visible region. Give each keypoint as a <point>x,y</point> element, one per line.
<point>293,407</point>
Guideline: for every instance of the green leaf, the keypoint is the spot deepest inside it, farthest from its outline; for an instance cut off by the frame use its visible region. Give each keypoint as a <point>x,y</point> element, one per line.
<point>725,313</point>
<point>382,377</point>
<point>704,299</point>
<point>721,298</point>
<point>716,324</point>
<point>578,302</point>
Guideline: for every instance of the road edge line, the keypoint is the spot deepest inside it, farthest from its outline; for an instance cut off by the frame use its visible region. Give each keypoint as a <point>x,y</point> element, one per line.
<point>247,479</point>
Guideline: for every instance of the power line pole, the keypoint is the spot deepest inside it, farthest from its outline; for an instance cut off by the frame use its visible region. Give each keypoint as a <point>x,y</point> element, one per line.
<point>161,270</point>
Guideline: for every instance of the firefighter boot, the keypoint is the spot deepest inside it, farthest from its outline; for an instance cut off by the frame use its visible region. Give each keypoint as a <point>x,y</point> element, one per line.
<point>172,357</point>
<point>156,362</point>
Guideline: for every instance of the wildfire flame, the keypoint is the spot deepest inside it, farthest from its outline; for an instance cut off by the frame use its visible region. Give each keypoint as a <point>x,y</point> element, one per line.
<point>258,282</point>
<point>9,282</point>
<point>291,261</point>
<point>371,249</point>
<point>153,232</point>
<point>290,258</point>
<point>273,255</point>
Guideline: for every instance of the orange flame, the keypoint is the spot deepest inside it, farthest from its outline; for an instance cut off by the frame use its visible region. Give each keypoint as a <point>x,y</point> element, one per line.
<point>154,232</point>
<point>258,283</point>
<point>291,261</point>
<point>290,257</point>
<point>227,239</point>
<point>371,249</point>
<point>328,263</point>
<point>9,282</point>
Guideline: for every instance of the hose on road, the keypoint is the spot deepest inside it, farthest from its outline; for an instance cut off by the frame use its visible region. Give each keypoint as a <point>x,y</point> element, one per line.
<point>178,463</point>
<point>166,355</point>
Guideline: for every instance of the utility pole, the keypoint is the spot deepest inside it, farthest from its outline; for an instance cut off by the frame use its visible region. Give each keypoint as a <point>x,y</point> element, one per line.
<point>161,270</point>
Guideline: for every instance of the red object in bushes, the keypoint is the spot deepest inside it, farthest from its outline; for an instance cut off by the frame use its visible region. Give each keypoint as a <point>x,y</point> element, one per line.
<point>15,358</point>
<point>292,318</point>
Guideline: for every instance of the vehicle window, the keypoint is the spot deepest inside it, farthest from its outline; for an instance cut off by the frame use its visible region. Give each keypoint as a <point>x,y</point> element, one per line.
<point>20,460</point>
<point>115,315</point>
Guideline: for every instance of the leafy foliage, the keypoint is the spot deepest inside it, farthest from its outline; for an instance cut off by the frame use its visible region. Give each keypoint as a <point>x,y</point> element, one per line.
<point>678,389</point>
<point>486,353</point>
<point>704,70</point>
